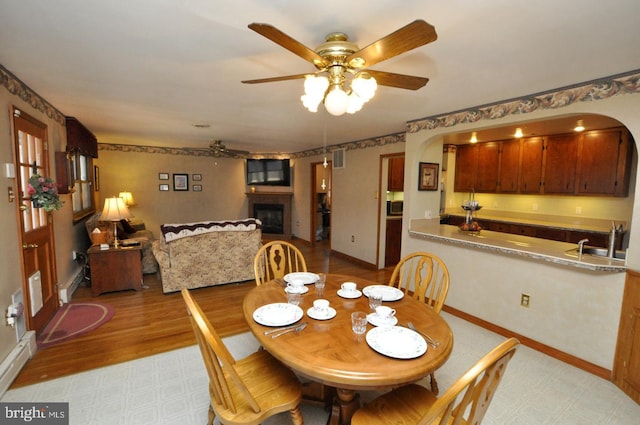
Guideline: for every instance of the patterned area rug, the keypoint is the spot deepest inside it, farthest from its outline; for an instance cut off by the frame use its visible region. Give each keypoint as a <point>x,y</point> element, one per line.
<point>72,320</point>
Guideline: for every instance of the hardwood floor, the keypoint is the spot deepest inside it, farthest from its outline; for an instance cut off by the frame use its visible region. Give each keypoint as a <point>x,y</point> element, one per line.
<point>149,322</point>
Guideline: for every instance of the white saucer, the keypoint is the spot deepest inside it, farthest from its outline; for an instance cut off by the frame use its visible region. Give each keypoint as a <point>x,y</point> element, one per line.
<point>349,294</point>
<point>375,321</point>
<point>303,291</point>
<point>314,314</point>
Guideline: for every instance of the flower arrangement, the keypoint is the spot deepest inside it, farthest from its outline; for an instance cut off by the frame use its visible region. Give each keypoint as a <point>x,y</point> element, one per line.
<point>44,193</point>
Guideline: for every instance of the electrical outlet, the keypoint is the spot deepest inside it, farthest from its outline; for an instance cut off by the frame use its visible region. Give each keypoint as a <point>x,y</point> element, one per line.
<point>525,300</point>
<point>534,207</point>
<point>578,210</point>
<point>353,238</point>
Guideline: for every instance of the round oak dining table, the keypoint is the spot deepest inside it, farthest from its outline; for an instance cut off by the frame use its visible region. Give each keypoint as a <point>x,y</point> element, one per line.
<point>328,351</point>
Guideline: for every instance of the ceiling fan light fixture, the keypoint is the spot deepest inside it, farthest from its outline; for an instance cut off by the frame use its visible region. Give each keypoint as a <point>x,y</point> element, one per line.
<point>314,88</point>
<point>354,103</point>
<point>365,86</point>
<point>336,101</point>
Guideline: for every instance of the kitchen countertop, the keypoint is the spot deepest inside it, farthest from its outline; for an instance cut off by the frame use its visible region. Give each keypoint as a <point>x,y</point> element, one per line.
<point>536,249</point>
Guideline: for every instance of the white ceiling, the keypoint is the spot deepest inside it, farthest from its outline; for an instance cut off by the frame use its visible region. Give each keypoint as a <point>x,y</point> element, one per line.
<point>145,71</point>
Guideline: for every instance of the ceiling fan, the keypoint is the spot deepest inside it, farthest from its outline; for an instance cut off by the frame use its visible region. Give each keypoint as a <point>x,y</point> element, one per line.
<point>217,149</point>
<point>340,58</point>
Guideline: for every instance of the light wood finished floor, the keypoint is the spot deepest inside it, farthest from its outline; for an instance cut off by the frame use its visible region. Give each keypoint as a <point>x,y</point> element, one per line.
<point>149,322</point>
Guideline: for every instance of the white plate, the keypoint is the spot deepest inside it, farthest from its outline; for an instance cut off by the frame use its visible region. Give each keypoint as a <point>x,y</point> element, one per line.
<point>375,320</point>
<point>396,342</point>
<point>389,293</point>
<point>349,294</point>
<point>315,314</point>
<point>308,278</point>
<point>278,314</point>
<point>288,290</point>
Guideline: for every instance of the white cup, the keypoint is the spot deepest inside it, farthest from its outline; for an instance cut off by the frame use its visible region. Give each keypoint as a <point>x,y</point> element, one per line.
<point>348,287</point>
<point>385,313</point>
<point>296,285</point>
<point>321,306</point>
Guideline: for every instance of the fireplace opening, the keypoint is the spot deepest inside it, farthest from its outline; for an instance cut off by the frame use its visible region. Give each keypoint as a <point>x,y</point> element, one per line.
<point>272,217</point>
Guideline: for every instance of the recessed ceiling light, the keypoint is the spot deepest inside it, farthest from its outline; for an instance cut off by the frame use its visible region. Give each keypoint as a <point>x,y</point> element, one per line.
<point>474,138</point>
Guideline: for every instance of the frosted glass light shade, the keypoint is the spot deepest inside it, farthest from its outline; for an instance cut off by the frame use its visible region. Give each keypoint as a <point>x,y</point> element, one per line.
<point>336,101</point>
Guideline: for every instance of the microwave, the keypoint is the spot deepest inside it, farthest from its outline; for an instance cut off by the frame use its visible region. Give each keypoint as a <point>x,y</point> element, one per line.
<point>394,207</point>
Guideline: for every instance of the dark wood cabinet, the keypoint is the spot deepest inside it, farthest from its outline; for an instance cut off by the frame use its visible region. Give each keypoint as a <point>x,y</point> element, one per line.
<point>395,178</point>
<point>509,172</point>
<point>593,163</point>
<point>604,163</point>
<point>486,179</point>
<point>466,168</point>
<point>531,165</point>
<point>115,269</point>
<point>393,243</point>
<point>561,159</point>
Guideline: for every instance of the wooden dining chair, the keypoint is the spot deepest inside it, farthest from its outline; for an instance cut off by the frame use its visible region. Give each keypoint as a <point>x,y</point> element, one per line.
<point>275,259</point>
<point>414,404</point>
<point>425,277</point>
<point>245,391</point>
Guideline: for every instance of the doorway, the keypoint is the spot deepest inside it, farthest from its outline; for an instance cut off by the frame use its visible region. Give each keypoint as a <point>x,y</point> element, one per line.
<point>320,202</point>
<point>36,225</point>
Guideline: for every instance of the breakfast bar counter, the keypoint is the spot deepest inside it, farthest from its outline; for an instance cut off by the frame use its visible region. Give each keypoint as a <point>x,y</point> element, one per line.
<point>537,249</point>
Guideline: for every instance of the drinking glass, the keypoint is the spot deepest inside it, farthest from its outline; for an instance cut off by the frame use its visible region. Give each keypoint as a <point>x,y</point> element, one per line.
<point>294,298</point>
<point>359,322</point>
<point>322,278</point>
<point>375,299</point>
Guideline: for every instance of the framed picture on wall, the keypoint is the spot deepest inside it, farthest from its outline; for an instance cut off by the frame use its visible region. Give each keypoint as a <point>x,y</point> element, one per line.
<point>96,178</point>
<point>196,177</point>
<point>197,188</point>
<point>164,188</point>
<point>163,176</point>
<point>428,176</point>
<point>180,182</point>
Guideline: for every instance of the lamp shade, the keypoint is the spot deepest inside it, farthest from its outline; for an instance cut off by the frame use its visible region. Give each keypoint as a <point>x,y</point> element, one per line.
<point>115,209</point>
<point>127,197</point>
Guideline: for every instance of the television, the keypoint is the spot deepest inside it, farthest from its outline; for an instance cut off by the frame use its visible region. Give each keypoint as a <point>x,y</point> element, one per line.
<point>269,172</point>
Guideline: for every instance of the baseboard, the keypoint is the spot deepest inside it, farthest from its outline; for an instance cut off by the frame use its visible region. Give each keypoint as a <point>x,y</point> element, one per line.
<point>358,261</point>
<point>15,361</point>
<point>65,291</point>
<point>538,346</point>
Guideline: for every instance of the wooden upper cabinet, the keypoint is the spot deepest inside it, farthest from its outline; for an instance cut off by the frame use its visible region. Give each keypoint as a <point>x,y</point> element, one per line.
<point>561,155</point>
<point>531,165</point>
<point>466,168</point>
<point>395,178</point>
<point>604,163</point>
<point>488,165</point>
<point>509,167</point>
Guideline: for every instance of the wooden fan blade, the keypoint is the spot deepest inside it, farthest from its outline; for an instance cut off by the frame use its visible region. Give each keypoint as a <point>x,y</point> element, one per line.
<point>399,81</point>
<point>294,46</point>
<point>273,79</point>
<point>416,34</point>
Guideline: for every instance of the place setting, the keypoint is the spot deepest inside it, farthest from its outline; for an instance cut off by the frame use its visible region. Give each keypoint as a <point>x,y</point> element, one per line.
<point>321,310</point>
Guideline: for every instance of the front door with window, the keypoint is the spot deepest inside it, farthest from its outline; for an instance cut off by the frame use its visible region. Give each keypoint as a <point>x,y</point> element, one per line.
<point>36,226</point>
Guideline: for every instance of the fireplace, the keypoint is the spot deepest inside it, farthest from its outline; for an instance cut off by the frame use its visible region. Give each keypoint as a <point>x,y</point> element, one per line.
<point>271,216</point>
<point>274,210</point>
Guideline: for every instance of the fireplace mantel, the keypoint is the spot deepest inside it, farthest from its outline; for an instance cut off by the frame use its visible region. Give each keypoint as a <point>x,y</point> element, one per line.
<point>283,198</point>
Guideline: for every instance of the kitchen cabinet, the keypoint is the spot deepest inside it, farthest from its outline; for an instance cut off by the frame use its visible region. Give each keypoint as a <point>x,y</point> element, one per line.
<point>626,365</point>
<point>604,163</point>
<point>561,159</point>
<point>531,165</point>
<point>466,168</point>
<point>509,172</point>
<point>393,242</point>
<point>395,176</point>
<point>486,179</point>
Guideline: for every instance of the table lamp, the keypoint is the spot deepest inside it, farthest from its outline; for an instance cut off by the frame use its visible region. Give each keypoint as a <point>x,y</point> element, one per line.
<point>115,210</point>
<point>128,198</point>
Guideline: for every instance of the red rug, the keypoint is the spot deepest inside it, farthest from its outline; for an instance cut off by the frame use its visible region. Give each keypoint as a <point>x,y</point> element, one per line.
<point>72,320</point>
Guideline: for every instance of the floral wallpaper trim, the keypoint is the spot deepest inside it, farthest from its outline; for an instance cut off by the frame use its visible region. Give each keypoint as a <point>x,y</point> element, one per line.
<point>359,144</point>
<point>20,89</point>
<point>594,90</point>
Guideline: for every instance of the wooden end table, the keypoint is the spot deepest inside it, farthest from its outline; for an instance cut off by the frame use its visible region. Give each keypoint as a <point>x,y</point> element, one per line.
<point>115,269</point>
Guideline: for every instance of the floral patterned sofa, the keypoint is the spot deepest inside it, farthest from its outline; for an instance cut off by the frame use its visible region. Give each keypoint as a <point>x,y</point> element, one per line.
<point>195,255</point>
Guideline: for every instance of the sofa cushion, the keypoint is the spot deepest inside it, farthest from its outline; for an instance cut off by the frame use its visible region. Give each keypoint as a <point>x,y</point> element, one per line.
<point>172,232</point>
